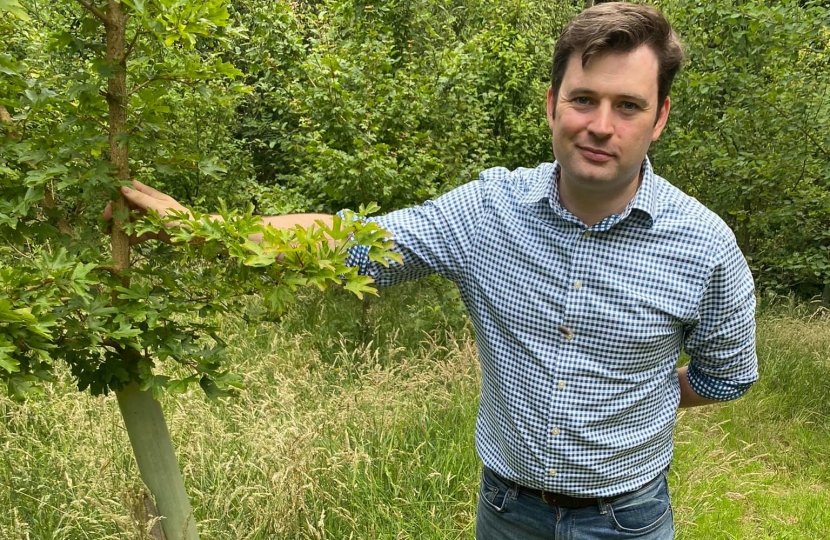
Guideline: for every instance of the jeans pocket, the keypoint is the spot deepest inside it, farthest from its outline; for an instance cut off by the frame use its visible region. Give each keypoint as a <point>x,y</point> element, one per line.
<point>644,511</point>
<point>493,492</point>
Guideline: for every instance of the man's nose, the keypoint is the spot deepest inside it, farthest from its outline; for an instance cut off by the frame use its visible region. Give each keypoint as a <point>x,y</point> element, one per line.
<point>602,122</point>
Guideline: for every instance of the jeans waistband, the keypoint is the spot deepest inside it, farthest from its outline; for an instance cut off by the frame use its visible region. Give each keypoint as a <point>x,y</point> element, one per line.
<point>566,501</point>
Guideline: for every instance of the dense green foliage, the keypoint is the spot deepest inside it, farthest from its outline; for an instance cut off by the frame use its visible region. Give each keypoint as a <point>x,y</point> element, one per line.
<point>62,296</point>
<point>394,102</point>
<point>749,133</point>
<point>332,104</point>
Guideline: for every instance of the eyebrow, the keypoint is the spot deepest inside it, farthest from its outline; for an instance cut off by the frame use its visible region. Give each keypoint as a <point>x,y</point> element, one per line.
<point>636,98</point>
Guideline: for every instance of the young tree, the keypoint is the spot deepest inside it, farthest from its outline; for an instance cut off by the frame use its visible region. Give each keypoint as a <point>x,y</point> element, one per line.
<point>85,89</point>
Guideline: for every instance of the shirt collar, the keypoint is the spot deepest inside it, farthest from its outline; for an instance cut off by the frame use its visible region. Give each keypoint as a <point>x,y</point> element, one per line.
<point>545,185</point>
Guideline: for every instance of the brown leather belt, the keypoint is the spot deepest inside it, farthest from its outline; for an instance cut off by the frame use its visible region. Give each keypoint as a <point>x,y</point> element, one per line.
<point>557,499</point>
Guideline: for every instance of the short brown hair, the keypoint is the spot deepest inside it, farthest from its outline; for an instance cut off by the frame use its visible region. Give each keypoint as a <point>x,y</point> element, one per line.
<point>619,27</point>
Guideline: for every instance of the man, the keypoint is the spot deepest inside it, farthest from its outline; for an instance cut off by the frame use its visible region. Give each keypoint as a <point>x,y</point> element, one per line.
<point>584,279</point>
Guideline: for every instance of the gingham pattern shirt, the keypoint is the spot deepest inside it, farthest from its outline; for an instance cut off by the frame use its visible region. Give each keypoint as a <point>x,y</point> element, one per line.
<point>579,328</point>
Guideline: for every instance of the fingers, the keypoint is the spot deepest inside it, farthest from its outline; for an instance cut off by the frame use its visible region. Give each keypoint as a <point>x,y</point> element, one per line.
<point>144,198</point>
<point>143,201</point>
<point>154,193</point>
<point>140,199</point>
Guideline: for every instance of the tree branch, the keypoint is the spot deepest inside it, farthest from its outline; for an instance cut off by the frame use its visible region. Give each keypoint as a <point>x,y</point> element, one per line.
<point>132,44</point>
<point>100,15</point>
<point>804,130</point>
<point>182,80</point>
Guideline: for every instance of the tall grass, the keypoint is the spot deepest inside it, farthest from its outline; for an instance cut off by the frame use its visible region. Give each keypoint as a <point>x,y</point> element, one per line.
<point>358,423</point>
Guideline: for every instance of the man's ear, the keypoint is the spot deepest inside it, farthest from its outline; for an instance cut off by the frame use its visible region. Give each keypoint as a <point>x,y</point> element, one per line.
<point>662,118</point>
<point>551,107</point>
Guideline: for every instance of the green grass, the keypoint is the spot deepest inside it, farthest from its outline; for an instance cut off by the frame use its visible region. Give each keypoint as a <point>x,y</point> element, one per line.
<point>358,423</point>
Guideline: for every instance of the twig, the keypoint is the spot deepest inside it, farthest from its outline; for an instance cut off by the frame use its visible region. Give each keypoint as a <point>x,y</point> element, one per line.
<point>804,131</point>
<point>132,44</point>
<point>110,269</point>
<point>100,15</point>
<point>156,79</point>
<point>95,120</point>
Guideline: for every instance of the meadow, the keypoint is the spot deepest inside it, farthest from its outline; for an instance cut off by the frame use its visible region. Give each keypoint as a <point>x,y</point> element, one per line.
<point>357,422</point>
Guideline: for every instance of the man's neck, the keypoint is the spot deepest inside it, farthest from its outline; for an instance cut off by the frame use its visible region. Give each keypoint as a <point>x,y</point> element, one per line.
<point>592,206</point>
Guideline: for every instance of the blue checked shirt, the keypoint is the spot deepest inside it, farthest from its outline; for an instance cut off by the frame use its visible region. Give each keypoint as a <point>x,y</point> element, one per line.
<point>579,328</point>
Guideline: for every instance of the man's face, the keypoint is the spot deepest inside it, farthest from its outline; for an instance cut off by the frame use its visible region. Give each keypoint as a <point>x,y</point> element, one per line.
<point>603,120</point>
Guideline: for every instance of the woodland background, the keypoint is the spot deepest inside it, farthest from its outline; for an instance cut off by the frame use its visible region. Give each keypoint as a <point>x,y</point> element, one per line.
<point>326,105</point>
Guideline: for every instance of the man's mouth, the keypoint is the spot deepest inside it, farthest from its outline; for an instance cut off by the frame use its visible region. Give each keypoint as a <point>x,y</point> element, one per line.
<point>595,154</point>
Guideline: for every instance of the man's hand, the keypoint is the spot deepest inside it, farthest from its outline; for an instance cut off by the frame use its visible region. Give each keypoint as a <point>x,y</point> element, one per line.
<point>143,198</point>
<point>688,397</point>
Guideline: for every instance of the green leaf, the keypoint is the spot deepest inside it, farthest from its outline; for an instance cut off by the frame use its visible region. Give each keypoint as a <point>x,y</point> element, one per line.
<point>82,270</point>
<point>8,363</point>
<point>211,167</point>
<point>125,331</point>
<point>259,260</point>
<point>10,66</point>
<point>14,7</point>
<point>359,285</point>
<point>212,391</point>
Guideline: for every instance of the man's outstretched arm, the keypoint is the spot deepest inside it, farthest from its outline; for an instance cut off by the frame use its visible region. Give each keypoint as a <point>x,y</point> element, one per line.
<point>142,198</point>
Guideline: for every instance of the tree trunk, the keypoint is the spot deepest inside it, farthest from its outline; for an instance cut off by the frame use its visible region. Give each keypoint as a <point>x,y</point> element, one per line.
<point>116,26</point>
<point>156,458</point>
<point>143,417</point>
<point>825,296</point>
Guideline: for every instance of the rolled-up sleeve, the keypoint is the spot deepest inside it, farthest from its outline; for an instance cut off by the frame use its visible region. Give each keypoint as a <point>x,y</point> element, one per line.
<point>723,362</point>
<point>434,237</point>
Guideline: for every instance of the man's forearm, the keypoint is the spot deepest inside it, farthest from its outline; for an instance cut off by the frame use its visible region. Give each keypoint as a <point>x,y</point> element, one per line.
<point>688,397</point>
<point>292,220</point>
<point>288,221</point>
<point>143,198</point>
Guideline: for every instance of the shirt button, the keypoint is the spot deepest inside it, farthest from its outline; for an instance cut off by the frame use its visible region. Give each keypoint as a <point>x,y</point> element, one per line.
<point>552,472</point>
<point>561,384</point>
<point>577,285</point>
<point>555,431</point>
<point>586,234</point>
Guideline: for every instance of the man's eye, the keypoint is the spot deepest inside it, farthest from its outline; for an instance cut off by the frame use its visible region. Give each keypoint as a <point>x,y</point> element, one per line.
<point>582,100</point>
<point>629,106</point>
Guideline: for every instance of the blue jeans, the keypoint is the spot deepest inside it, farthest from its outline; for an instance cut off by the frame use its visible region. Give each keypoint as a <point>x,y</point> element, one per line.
<point>505,513</point>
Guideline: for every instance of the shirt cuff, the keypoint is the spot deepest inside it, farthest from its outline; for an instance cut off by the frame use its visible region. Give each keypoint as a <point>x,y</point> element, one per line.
<point>712,388</point>
<point>356,255</point>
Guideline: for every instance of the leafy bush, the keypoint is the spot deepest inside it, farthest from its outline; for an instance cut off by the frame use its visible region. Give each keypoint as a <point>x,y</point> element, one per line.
<point>395,102</point>
<point>750,131</point>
